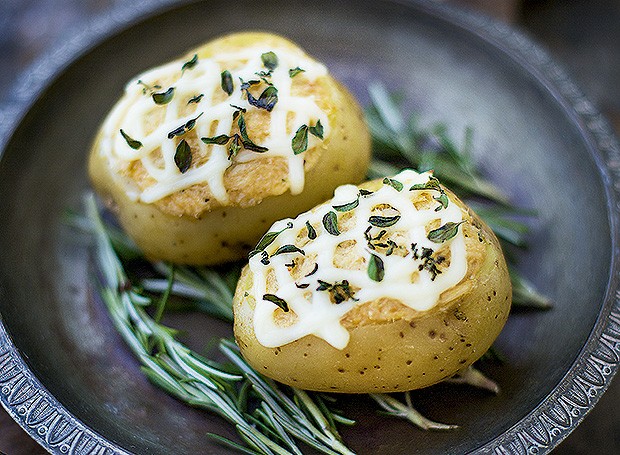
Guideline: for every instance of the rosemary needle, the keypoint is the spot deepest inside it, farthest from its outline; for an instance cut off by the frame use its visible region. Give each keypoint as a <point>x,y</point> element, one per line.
<point>201,382</point>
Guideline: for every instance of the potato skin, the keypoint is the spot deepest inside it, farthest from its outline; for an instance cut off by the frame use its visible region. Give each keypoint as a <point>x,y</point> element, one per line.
<point>392,347</point>
<point>227,233</point>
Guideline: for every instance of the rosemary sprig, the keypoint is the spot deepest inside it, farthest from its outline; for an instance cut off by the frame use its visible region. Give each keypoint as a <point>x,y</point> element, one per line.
<point>399,143</point>
<point>395,140</point>
<point>265,417</point>
<point>395,408</point>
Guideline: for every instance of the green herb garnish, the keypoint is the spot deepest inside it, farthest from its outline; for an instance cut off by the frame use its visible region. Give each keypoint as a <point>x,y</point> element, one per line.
<point>311,231</point>
<point>227,82</point>
<point>245,139</point>
<point>186,127</point>
<point>398,186</point>
<point>376,270</point>
<point>270,60</point>
<point>288,249</point>
<point>445,232</point>
<point>267,100</point>
<point>222,139</point>
<point>433,184</point>
<point>317,130</point>
<point>330,222</point>
<point>300,140</point>
<point>196,99</point>
<point>429,263</point>
<point>148,88</point>
<point>339,292</point>
<point>183,156</point>
<point>234,143</point>
<point>295,71</point>
<point>163,97</point>
<point>190,64</point>
<point>347,207</point>
<point>268,239</point>
<point>314,270</point>
<point>383,221</point>
<point>234,146</point>
<point>365,193</point>
<point>277,300</point>
<point>130,141</point>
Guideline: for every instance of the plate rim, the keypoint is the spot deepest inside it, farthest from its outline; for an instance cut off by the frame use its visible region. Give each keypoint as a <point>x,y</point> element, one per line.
<point>543,428</point>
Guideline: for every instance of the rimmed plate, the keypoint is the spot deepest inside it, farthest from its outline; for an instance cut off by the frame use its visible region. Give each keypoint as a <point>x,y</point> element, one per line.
<point>66,377</point>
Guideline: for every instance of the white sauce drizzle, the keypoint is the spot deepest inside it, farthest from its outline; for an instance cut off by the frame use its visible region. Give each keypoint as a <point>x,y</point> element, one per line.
<point>205,78</point>
<point>316,314</point>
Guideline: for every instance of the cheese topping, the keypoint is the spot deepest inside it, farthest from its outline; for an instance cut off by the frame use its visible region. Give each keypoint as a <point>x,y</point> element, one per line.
<point>334,273</point>
<point>204,77</point>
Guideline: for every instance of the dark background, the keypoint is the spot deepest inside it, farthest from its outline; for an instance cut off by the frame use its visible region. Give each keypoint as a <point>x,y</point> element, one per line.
<point>583,35</point>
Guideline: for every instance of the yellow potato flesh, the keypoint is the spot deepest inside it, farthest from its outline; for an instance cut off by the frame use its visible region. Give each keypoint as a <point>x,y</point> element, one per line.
<point>393,347</point>
<point>186,229</point>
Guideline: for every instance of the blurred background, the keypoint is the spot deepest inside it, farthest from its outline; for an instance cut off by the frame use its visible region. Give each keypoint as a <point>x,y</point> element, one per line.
<point>582,35</point>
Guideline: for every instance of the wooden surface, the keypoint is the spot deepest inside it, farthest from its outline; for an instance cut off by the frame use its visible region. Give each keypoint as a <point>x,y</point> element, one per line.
<point>583,35</point>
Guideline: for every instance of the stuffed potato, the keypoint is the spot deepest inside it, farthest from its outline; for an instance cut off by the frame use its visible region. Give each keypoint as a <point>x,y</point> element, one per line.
<point>201,155</point>
<point>393,285</point>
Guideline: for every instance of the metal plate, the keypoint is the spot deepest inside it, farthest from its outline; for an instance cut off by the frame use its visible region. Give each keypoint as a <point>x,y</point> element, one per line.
<point>65,375</point>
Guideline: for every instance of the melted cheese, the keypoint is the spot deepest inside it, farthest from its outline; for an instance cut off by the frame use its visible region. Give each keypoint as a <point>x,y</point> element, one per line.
<point>205,78</point>
<point>314,312</point>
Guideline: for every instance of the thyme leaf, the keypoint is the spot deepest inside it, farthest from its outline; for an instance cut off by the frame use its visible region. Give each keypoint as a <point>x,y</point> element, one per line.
<point>347,207</point>
<point>311,231</point>
<point>186,127</point>
<point>317,130</point>
<point>445,232</point>
<point>227,82</point>
<point>222,139</point>
<point>383,221</point>
<point>267,100</point>
<point>398,186</point>
<point>243,130</point>
<point>339,292</point>
<point>376,270</point>
<point>268,239</point>
<point>270,60</point>
<point>162,98</point>
<point>288,249</point>
<point>234,146</point>
<point>330,222</point>
<point>189,64</point>
<point>196,99</point>
<point>314,270</point>
<point>183,156</point>
<point>277,300</point>
<point>134,144</point>
<point>433,184</point>
<point>295,71</point>
<point>300,140</point>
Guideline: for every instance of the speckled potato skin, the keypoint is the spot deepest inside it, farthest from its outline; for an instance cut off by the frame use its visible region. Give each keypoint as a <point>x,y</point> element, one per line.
<point>227,233</point>
<point>392,347</point>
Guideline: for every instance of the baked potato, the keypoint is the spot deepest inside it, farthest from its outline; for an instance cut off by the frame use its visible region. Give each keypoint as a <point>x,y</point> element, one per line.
<point>201,155</point>
<point>390,286</point>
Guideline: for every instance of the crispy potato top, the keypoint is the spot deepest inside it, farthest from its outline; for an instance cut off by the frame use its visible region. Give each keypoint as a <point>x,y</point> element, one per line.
<point>234,121</point>
<point>387,251</point>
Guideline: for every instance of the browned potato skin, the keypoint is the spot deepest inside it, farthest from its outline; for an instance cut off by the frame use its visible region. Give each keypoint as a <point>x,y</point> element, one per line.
<point>392,347</point>
<point>226,233</point>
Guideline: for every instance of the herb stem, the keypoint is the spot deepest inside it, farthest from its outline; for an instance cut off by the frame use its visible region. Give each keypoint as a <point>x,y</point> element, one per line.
<point>161,305</point>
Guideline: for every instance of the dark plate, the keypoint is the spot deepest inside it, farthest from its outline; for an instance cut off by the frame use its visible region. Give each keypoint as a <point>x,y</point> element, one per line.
<point>67,378</point>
